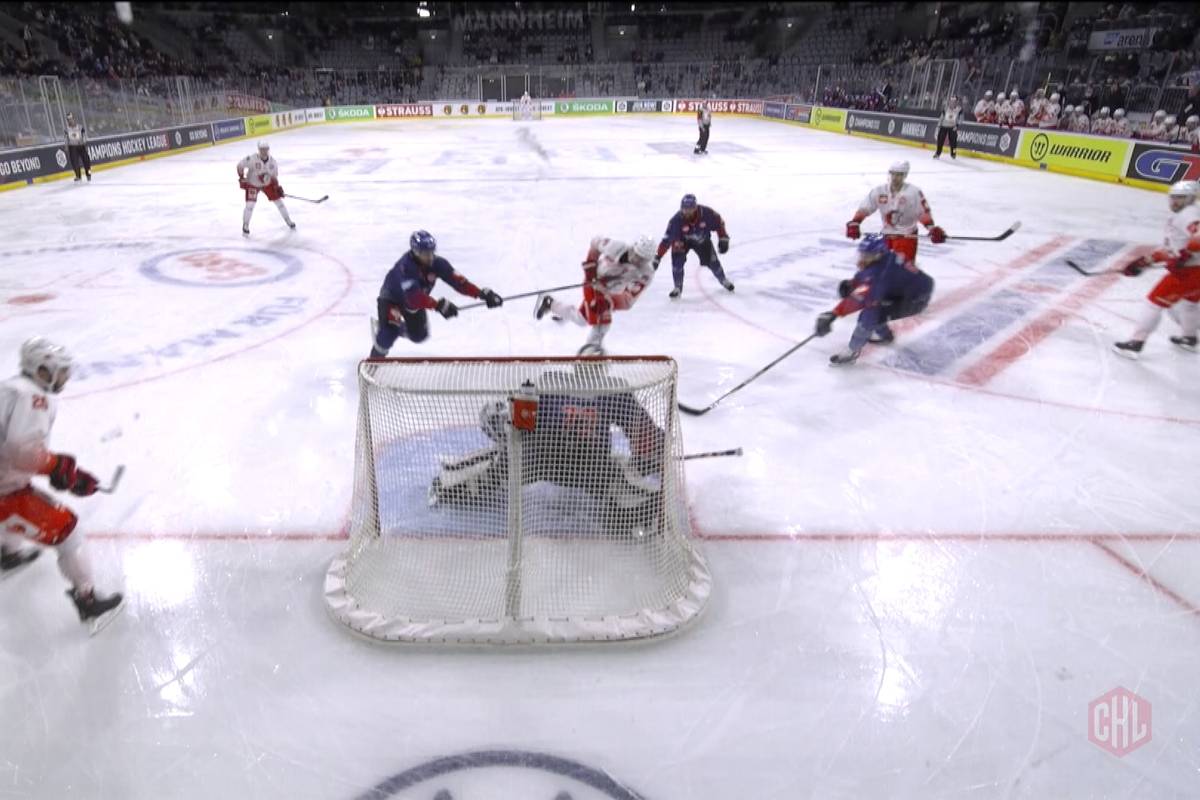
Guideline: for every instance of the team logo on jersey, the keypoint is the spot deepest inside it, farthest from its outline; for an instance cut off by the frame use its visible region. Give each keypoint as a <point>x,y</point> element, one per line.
<point>474,776</point>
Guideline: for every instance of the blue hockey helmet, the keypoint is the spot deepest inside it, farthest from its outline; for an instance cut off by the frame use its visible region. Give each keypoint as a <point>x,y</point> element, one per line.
<point>688,203</point>
<point>422,242</point>
<point>871,247</point>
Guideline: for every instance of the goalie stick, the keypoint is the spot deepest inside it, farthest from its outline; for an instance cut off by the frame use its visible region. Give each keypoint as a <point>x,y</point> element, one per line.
<point>696,412</point>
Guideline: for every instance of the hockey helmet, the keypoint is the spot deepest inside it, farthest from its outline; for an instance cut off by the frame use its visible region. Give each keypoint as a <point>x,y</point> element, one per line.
<point>1160,114</point>
<point>1193,121</point>
<point>871,247</point>
<point>1001,96</point>
<point>422,242</point>
<point>1104,111</point>
<point>1014,95</point>
<point>1171,120</point>
<point>643,248</point>
<point>263,146</point>
<point>45,363</point>
<point>688,203</point>
<point>1181,194</point>
<point>898,167</point>
<point>987,94</point>
<point>1069,110</point>
<point>1118,114</point>
<point>1054,97</point>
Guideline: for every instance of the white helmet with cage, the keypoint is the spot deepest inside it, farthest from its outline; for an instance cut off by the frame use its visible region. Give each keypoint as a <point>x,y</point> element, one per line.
<point>643,248</point>
<point>264,149</point>
<point>1182,194</point>
<point>46,364</point>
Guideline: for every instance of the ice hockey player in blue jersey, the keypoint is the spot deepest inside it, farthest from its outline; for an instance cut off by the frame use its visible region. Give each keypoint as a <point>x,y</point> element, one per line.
<point>886,287</point>
<point>691,229</point>
<point>572,446</point>
<point>405,299</point>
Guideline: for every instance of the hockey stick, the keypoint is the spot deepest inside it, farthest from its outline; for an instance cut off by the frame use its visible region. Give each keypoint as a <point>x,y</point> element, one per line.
<point>737,451</point>
<point>524,294</point>
<point>306,199</point>
<point>1094,273</point>
<point>112,484</point>
<point>1016,226</point>
<point>695,412</point>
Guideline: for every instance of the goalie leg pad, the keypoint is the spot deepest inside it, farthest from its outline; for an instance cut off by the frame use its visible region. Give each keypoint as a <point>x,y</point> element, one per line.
<point>468,478</point>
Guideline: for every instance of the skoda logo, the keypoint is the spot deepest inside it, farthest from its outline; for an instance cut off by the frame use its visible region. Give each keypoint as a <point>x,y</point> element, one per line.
<point>474,776</point>
<point>1040,146</point>
<point>563,108</point>
<point>891,126</point>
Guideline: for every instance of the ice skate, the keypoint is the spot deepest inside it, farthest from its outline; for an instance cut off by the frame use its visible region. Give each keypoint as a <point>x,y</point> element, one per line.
<point>1184,343</point>
<point>882,335</point>
<point>13,561</point>
<point>845,358</point>
<point>1131,349</point>
<point>542,306</point>
<point>245,230</point>
<point>678,290</point>
<point>727,284</point>
<point>96,612</point>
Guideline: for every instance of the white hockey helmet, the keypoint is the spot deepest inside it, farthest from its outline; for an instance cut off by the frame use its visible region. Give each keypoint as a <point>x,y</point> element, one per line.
<point>898,167</point>
<point>45,363</point>
<point>1069,110</point>
<point>1172,120</point>
<point>1104,111</point>
<point>263,146</point>
<point>1001,96</point>
<point>1054,97</point>
<point>1182,194</point>
<point>987,94</point>
<point>1193,121</point>
<point>1160,114</point>
<point>643,248</point>
<point>1119,114</point>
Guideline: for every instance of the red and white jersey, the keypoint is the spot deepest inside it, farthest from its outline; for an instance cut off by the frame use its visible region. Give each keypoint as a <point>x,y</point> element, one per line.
<point>1182,233</point>
<point>1037,108</point>
<point>1004,112</point>
<point>901,211</point>
<point>26,416</point>
<point>1080,124</point>
<point>1193,139</point>
<point>1154,131</point>
<point>1118,127</point>
<point>1050,112</point>
<point>257,172</point>
<point>985,111</point>
<point>614,276</point>
<point>1102,126</point>
<point>1018,112</point>
<point>1175,134</point>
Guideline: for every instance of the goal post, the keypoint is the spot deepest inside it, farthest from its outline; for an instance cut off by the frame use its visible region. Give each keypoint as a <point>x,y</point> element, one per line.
<point>518,501</point>
<point>527,111</point>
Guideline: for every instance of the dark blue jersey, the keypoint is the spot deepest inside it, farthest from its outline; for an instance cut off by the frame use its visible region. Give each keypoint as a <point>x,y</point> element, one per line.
<point>889,282</point>
<point>577,428</point>
<point>695,230</point>
<point>409,282</point>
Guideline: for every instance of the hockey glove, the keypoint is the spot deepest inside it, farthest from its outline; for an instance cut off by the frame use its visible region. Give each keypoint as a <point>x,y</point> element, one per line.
<point>490,298</point>
<point>937,235</point>
<point>722,246</point>
<point>446,308</point>
<point>1134,268</point>
<point>845,288</point>
<point>62,471</point>
<point>657,260</point>
<point>825,323</point>
<point>85,484</point>
<point>244,184</point>
<point>281,192</point>
<point>852,230</point>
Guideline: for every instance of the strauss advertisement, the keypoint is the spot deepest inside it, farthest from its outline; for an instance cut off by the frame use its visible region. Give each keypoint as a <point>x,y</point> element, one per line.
<point>721,106</point>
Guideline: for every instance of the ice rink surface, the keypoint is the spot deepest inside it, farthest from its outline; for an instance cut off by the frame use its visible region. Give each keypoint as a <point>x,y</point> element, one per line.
<point>925,567</point>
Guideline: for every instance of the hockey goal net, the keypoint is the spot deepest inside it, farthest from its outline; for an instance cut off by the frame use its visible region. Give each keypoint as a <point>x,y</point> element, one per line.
<point>527,111</point>
<point>518,501</point>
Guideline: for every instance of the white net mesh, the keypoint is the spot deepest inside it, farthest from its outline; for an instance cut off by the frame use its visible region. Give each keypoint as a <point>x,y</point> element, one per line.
<point>527,111</point>
<point>467,529</point>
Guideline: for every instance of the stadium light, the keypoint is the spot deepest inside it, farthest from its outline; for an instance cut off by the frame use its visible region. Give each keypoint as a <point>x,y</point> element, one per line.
<point>422,12</point>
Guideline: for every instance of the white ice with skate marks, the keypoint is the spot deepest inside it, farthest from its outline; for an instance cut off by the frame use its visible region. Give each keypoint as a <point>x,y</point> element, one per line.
<point>1013,459</point>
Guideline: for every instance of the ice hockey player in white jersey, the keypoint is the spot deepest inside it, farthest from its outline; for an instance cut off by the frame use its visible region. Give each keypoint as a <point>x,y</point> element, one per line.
<point>1119,126</point>
<point>1157,126</point>
<point>28,405</point>
<point>1178,292</point>
<point>615,275</point>
<point>258,172</point>
<point>1050,112</point>
<point>1102,124</point>
<point>1004,110</point>
<point>1173,133</point>
<point>985,109</point>
<point>1080,122</point>
<point>902,206</point>
<point>1018,109</point>
<point>1191,133</point>
<point>1037,108</point>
